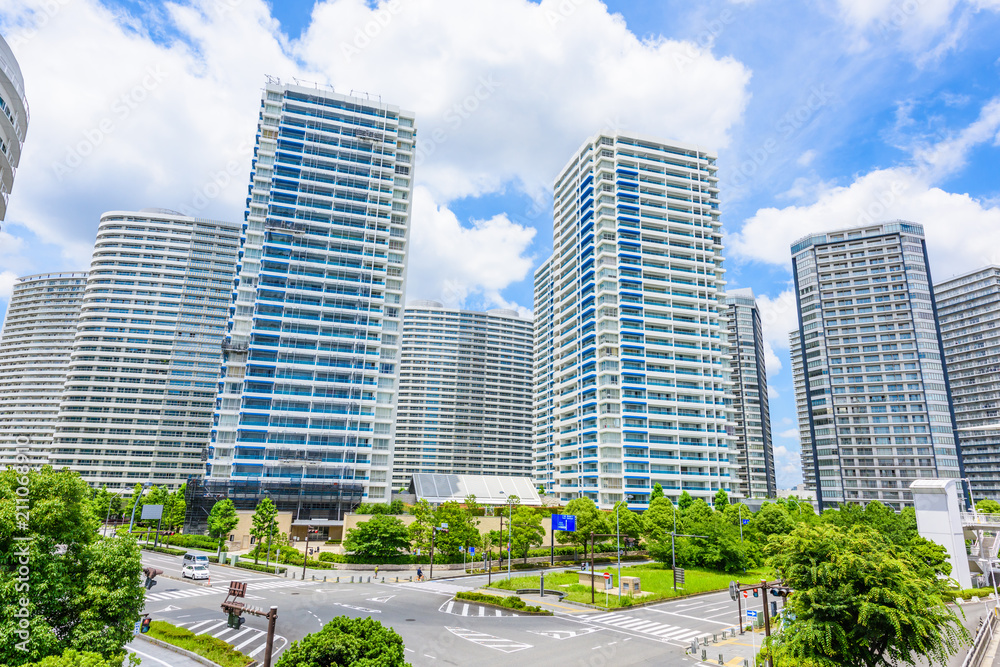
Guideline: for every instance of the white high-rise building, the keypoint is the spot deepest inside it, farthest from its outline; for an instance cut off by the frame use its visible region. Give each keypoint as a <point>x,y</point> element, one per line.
<point>969,317</point>
<point>312,361</point>
<point>35,345</point>
<point>802,412</point>
<point>878,408</point>
<point>13,121</point>
<point>637,348</point>
<point>143,373</point>
<point>464,393</point>
<point>754,457</point>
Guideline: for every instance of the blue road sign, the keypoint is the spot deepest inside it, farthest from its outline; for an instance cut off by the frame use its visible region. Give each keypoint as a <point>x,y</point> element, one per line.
<point>472,551</point>
<point>751,613</point>
<point>746,521</point>
<point>565,522</point>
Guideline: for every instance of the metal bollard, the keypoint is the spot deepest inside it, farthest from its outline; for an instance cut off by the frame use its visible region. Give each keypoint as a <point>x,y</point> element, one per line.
<point>324,578</point>
<point>704,655</point>
<point>721,661</point>
<point>746,662</point>
<point>338,580</point>
<point>314,577</point>
<point>715,637</point>
<point>352,578</point>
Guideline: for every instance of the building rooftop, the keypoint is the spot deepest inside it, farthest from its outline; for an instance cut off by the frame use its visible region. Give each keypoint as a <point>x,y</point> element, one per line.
<point>488,489</point>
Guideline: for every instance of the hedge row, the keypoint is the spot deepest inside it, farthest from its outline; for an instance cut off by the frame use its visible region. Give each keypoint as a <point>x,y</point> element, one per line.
<point>968,593</point>
<point>261,567</point>
<point>164,550</point>
<point>507,602</point>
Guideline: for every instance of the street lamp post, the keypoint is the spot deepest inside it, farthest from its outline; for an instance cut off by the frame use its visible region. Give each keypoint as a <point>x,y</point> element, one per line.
<point>107,517</point>
<point>135,503</point>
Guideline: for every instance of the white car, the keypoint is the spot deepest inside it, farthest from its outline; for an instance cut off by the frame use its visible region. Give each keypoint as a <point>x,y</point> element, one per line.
<point>195,572</point>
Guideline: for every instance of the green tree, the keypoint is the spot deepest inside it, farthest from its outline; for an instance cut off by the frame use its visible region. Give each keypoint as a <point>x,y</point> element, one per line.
<point>264,524</point>
<point>82,592</point>
<point>472,505</point>
<point>657,493</point>
<point>658,520</point>
<point>721,499</point>
<point>527,531</point>
<point>463,530</point>
<point>629,523</point>
<point>772,519</point>
<point>222,520</point>
<point>347,642</point>
<point>383,536</point>
<point>73,658</point>
<point>684,501</point>
<point>588,519</point>
<point>420,529</point>
<point>860,599</point>
<point>988,506</point>
<point>174,509</point>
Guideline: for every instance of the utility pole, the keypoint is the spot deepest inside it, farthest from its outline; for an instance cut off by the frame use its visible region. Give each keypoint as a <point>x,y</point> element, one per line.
<point>272,619</point>
<point>618,543</point>
<point>305,554</point>
<point>767,618</point>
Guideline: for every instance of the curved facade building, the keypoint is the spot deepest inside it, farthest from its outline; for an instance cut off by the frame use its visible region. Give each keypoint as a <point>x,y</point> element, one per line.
<point>35,345</point>
<point>13,121</point>
<point>141,383</point>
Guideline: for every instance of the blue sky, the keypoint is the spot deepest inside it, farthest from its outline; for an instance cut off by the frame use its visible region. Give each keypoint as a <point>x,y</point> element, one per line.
<point>824,114</point>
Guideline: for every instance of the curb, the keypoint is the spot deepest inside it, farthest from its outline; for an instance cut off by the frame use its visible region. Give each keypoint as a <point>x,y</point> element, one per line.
<point>519,612</point>
<point>190,581</point>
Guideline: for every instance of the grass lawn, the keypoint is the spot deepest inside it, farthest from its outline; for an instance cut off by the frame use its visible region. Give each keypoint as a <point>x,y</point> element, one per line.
<point>654,578</point>
<point>206,646</point>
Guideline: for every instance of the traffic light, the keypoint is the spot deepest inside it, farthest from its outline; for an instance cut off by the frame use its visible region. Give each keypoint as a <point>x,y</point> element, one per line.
<point>755,593</point>
<point>144,627</point>
<point>781,591</point>
<point>235,621</point>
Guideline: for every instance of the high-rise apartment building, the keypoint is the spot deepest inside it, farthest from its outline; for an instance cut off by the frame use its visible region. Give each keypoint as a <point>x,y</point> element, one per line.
<point>13,121</point>
<point>465,393</point>
<point>754,473</point>
<point>879,414</point>
<point>140,389</point>
<point>638,384</point>
<point>35,345</point>
<point>969,317</point>
<point>312,362</point>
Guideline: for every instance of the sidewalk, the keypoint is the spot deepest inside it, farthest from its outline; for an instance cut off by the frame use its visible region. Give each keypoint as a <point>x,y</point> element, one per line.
<point>157,656</point>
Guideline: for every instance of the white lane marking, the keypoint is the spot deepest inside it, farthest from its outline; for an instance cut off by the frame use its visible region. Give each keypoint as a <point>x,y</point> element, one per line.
<point>451,605</point>
<point>361,609</point>
<point>198,624</point>
<point>565,634</point>
<point>240,634</point>
<point>489,641</point>
<point>252,639</point>
<point>465,610</point>
<point>384,598</point>
<point>693,618</point>
<point>212,627</point>
<point>482,611</point>
<point>146,655</point>
<point>219,634</point>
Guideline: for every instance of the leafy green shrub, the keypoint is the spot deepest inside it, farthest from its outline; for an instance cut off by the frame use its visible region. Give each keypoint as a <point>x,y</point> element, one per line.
<point>192,542</point>
<point>968,593</point>
<point>73,658</point>
<point>345,642</point>
<point>214,649</point>
<point>165,550</point>
<point>507,602</point>
<point>261,567</point>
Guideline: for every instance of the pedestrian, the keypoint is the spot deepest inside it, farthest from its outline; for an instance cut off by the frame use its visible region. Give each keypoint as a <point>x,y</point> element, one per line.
<point>420,574</point>
<point>376,571</point>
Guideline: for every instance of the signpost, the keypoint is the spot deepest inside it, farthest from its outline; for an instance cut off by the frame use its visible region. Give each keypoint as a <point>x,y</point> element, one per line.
<point>678,577</point>
<point>566,522</point>
<point>607,587</point>
<point>751,617</point>
<point>150,512</point>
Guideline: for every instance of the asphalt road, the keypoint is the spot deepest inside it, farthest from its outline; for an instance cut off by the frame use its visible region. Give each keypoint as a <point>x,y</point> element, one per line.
<point>438,630</point>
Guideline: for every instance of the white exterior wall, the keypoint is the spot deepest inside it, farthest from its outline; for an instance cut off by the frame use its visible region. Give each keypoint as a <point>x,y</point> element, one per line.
<point>637,346</point>
<point>464,394</point>
<point>13,121</point>
<point>140,389</point>
<point>35,345</point>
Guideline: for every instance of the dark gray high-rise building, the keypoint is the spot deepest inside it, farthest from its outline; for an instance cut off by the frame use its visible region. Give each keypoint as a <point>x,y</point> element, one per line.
<point>754,472</point>
<point>969,314</point>
<point>873,377</point>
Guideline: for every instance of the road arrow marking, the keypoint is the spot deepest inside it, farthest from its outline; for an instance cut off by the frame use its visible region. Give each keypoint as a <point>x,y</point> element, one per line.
<point>361,609</point>
<point>384,598</point>
<point>169,608</point>
<point>565,634</point>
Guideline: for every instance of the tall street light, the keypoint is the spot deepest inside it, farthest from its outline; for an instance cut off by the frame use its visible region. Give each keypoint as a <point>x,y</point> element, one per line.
<point>108,516</point>
<point>135,503</point>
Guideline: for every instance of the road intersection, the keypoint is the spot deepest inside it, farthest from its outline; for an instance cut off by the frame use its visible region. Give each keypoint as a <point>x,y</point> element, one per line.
<point>439,630</point>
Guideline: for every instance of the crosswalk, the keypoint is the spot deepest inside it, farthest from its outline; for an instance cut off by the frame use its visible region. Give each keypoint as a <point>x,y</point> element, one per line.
<point>249,641</point>
<point>439,587</point>
<point>644,626</point>
<point>461,608</point>
<point>221,590</point>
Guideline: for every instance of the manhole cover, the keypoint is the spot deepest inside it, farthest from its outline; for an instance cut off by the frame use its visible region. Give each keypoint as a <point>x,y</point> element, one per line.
<point>294,593</point>
<point>411,619</point>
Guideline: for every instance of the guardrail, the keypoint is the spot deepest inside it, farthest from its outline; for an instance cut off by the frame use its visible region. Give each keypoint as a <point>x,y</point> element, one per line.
<point>973,518</point>
<point>984,635</point>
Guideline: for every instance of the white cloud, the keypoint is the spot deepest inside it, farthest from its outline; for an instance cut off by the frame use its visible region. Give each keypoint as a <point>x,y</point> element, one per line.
<point>452,263</point>
<point>505,91</point>
<point>807,158</point>
<point>788,466</point>
<point>903,192</point>
<point>7,279</point>
<point>129,113</point>
<point>772,393</point>
<point>792,433</point>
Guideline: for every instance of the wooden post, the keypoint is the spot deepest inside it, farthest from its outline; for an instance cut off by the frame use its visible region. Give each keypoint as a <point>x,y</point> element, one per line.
<point>272,618</point>
<point>767,618</point>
